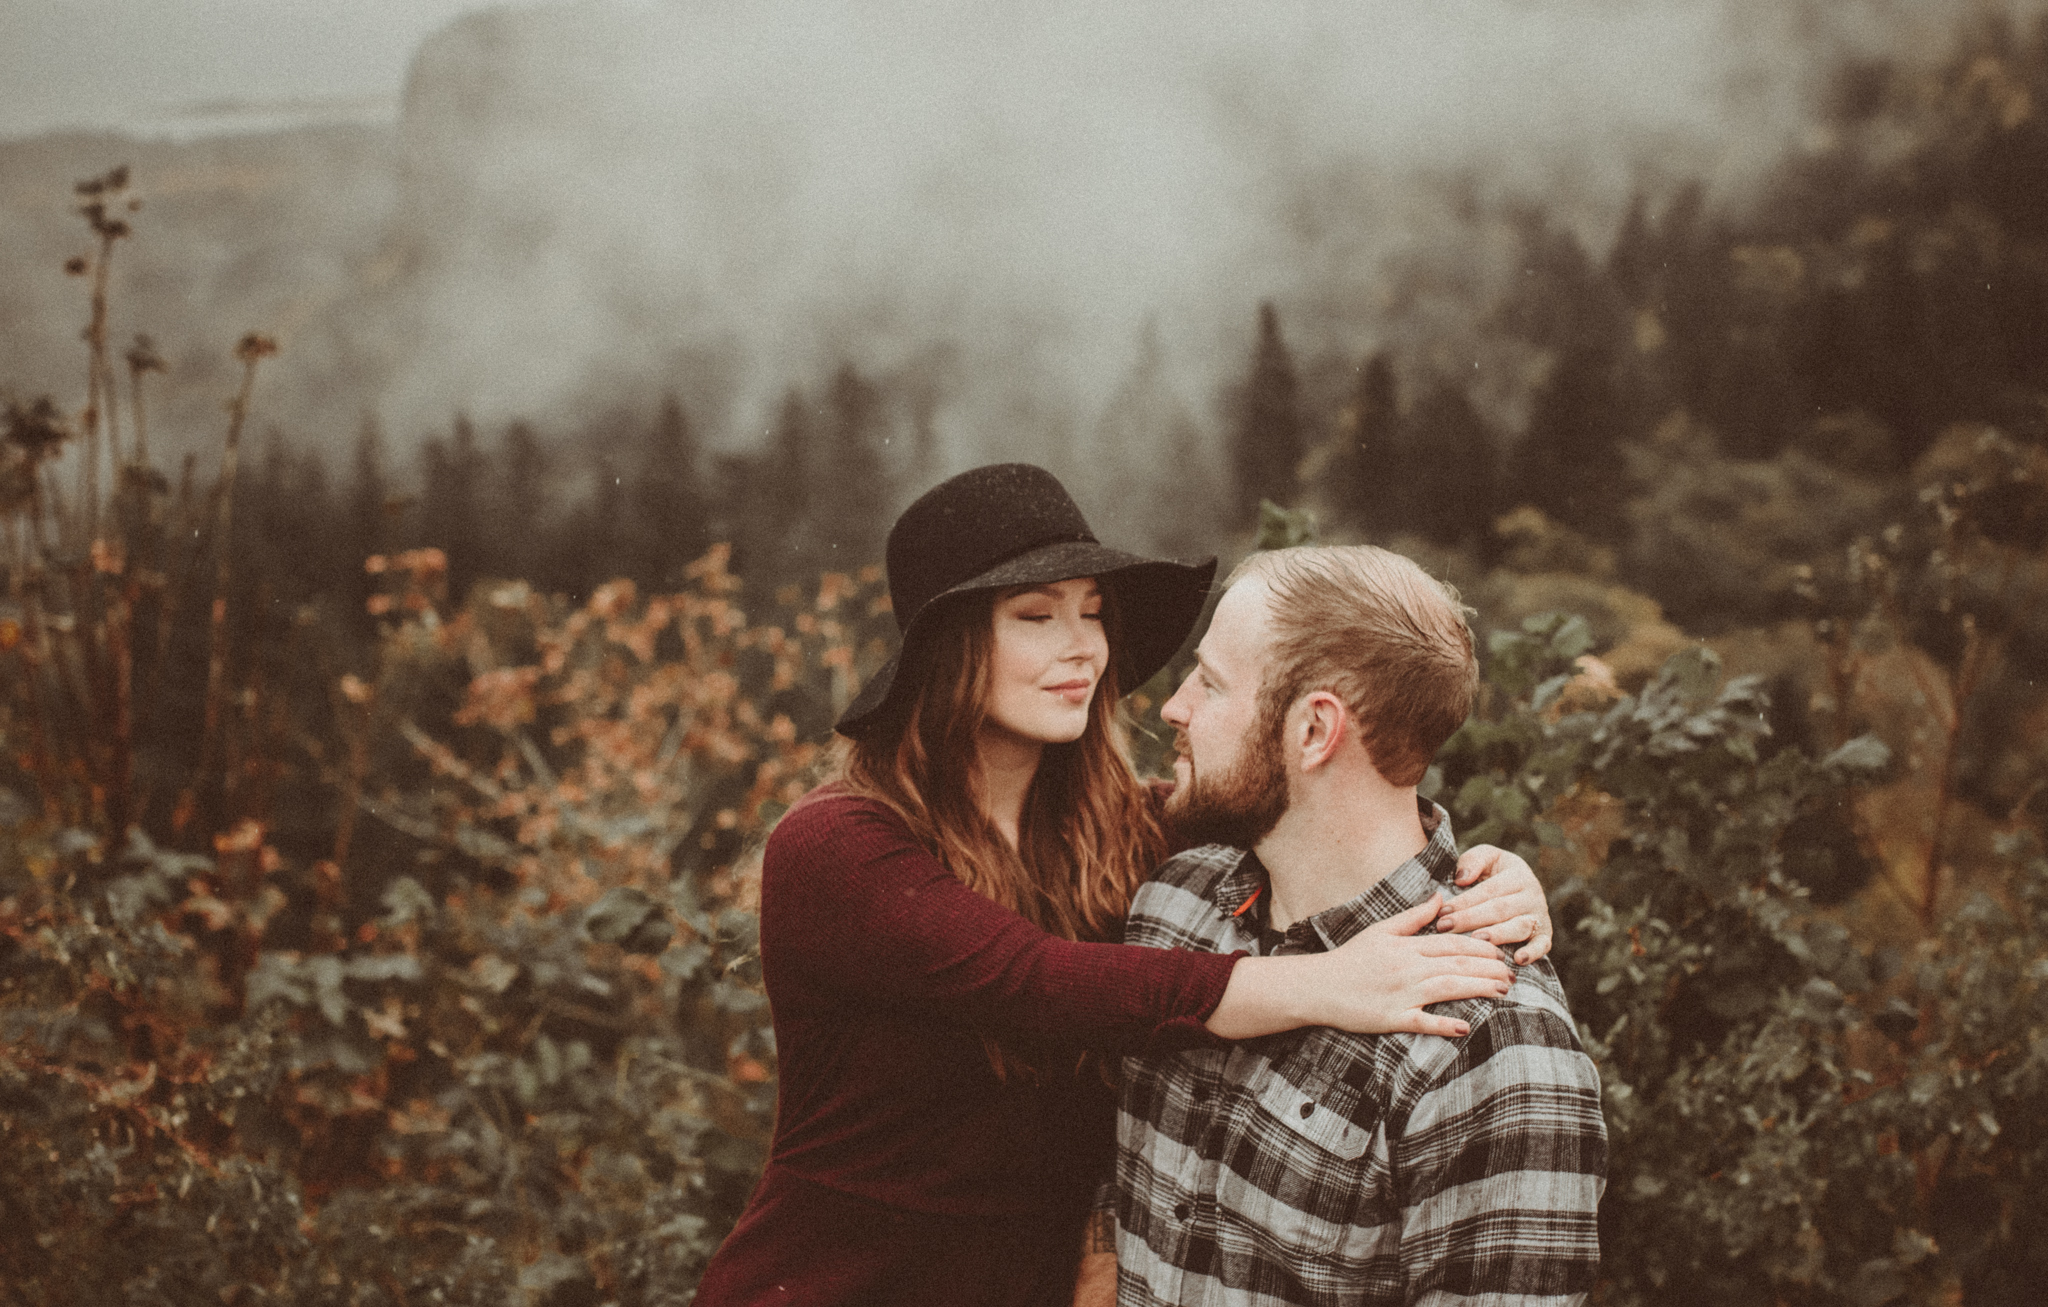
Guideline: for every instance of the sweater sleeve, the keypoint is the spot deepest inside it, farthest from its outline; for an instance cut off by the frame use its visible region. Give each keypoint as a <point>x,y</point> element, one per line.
<point>850,900</point>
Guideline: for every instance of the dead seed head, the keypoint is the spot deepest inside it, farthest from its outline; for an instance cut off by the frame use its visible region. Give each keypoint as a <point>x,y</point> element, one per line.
<point>111,182</point>
<point>142,355</point>
<point>37,429</point>
<point>254,346</point>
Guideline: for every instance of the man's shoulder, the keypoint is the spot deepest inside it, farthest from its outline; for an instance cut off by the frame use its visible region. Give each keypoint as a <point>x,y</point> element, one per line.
<point>1526,1038</point>
<point>1528,1034</point>
<point>1197,870</point>
<point>1532,1015</point>
<point>1176,906</point>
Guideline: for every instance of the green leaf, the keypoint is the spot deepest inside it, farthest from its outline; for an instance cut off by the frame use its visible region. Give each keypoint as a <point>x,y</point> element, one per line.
<point>1572,638</point>
<point>405,900</point>
<point>617,915</point>
<point>384,966</point>
<point>275,977</point>
<point>1860,759</point>
<point>1283,528</point>
<point>1877,1282</point>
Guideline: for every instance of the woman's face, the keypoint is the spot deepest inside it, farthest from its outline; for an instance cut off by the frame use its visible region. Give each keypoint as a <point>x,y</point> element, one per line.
<point>1050,652</point>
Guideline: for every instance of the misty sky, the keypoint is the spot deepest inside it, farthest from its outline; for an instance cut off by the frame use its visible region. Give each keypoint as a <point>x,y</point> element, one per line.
<point>170,65</point>
<point>1025,211</point>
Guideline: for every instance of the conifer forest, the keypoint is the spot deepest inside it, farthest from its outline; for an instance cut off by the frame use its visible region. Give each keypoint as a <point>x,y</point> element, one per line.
<point>380,799</point>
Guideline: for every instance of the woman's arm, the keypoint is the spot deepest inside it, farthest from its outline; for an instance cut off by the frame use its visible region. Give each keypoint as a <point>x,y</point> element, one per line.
<point>855,912</point>
<point>854,904</point>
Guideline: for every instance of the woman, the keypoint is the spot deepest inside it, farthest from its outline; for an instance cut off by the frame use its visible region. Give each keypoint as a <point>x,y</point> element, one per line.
<point>932,926</point>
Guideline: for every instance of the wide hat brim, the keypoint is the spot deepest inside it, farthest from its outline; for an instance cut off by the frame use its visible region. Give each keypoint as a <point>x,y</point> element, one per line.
<point>1158,602</point>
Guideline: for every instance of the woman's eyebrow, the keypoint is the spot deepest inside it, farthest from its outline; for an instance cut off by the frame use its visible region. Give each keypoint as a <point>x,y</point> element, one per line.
<point>1051,591</point>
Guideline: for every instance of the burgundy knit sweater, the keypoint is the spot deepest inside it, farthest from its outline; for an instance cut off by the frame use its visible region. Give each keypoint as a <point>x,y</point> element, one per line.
<point>903,1169</point>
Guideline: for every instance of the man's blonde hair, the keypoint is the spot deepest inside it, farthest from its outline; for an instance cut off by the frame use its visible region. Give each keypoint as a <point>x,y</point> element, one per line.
<point>1377,631</point>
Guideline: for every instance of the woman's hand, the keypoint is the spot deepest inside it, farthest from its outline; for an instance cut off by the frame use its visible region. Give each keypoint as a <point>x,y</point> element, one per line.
<point>1505,906</point>
<point>1095,1282</point>
<point>1378,982</point>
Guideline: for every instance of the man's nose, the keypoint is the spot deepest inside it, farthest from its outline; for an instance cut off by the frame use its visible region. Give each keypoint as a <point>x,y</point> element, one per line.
<point>1172,711</point>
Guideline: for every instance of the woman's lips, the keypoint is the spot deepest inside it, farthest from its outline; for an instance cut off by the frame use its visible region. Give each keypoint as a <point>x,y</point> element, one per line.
<point>1072,691</point>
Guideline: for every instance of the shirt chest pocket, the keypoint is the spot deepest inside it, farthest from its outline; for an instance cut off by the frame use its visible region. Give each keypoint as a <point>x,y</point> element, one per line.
<point>1303,1113</point>
<point>1296,1184</point>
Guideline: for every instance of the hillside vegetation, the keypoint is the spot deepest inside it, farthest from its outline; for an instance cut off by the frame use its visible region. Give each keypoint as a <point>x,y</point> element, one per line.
<point>375,911</point>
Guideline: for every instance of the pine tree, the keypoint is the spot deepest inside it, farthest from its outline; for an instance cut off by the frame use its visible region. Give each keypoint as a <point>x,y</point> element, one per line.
<point>299,540</point>
<point>269,543</point>
<point>1442,478</point>
<point>1267,446</point>
<point>852,500</point>
<point>766,499</point>
<point>363,527</point>
<point>323,553</point>
<point>1569,463</point>
<point>450,507</point>
<point>591,548</point>
<point>666,502</point>
<point>1163,490</point>
<point>1365,477</point>
<point>521,514</point>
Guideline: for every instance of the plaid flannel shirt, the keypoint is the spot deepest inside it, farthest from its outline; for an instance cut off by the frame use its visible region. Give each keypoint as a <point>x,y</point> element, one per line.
<point>1319,1167</point>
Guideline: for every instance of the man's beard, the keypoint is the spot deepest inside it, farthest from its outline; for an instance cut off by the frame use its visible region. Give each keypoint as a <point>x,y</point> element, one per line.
<point>1239,806</point>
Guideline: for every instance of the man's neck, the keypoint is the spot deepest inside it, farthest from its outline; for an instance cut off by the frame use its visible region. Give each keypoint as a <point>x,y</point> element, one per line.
<point>1332,846</point>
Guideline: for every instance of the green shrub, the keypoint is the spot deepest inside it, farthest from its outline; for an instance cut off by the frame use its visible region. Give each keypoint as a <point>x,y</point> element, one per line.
<point>1795,1115</point>
<point>539,1071</point>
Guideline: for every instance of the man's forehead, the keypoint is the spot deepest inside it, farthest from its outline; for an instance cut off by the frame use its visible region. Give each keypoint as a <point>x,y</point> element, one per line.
<point>1236,639</point>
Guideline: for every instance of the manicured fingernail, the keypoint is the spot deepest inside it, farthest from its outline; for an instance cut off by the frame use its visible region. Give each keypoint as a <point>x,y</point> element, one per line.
<point>1464,1029</point>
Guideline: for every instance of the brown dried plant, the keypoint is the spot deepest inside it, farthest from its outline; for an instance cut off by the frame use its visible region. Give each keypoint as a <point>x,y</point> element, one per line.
<point>611,744</point>
<point>82,570</point>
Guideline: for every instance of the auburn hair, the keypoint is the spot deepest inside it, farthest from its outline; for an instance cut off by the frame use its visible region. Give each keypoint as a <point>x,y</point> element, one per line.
<point>1087,837</point>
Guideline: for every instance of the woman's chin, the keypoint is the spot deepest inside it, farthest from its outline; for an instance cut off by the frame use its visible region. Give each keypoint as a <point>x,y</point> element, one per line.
<point>1064,728</point>
<point>1042,728</point>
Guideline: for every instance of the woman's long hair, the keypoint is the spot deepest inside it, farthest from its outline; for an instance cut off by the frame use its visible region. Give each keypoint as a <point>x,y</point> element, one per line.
<point>1088,835</point>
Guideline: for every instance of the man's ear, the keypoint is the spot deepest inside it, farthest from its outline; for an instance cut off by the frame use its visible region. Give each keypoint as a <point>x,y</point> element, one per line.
<point>1322,723</point>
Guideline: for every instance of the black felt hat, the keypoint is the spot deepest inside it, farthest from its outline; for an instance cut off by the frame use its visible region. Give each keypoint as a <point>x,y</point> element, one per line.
<point>1013,524</point>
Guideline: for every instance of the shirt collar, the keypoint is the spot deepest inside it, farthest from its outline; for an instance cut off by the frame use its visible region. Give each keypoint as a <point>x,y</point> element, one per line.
<point>1428,872</point>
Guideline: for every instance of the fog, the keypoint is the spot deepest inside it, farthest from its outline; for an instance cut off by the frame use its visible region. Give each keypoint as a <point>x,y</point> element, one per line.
<point>1016,191</point>
<point>1012,212</point>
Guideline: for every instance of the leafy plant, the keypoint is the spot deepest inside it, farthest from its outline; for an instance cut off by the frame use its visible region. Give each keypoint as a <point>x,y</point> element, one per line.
<point>540,1069</point>
<point>1790,1109</point>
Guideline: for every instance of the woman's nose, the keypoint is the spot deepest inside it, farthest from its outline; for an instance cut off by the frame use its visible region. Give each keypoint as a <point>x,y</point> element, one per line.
<point>1085,640</point>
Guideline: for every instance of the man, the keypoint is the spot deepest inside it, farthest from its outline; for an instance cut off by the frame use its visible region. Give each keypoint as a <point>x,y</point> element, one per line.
<point>1320,1167</point>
